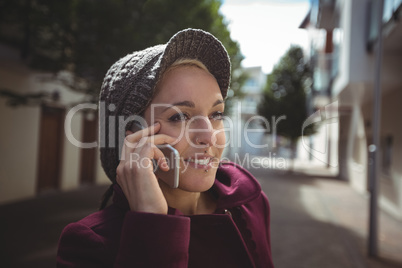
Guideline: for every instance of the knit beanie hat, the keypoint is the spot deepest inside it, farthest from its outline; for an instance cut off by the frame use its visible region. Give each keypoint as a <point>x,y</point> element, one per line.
<point>129,85</point>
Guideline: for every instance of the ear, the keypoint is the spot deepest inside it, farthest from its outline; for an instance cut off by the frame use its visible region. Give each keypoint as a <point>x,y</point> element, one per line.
<point>128,132</point>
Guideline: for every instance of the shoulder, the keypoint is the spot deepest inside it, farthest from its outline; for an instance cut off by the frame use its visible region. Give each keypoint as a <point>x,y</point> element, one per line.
<point>94,238</point>
<point>99,232</point>
<point>103,218</point>
<point>96,226</point>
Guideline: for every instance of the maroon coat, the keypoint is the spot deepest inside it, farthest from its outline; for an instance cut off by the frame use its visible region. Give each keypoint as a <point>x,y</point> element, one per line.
<point>236,235</point>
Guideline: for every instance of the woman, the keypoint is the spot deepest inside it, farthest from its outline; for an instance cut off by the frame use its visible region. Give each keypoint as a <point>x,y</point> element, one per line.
<point>218,216</point>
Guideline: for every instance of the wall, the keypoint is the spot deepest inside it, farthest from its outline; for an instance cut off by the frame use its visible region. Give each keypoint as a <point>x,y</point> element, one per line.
<point>391,110</point>
<point>355,64</point>
<point>352,136</point>
<point>20,130</point>
<point>18,139</point>
<point>18,147</point>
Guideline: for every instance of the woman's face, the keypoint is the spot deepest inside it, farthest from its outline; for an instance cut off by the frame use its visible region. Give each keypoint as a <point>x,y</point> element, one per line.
<point>189,106</point>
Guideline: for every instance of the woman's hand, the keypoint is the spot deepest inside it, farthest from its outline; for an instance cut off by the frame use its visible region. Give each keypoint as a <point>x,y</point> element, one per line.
<point>135,171</point>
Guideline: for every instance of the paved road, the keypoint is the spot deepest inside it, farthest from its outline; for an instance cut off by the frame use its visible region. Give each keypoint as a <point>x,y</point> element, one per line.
<point>30,229</point>
<point>322,223</point>
<point>317,222</point>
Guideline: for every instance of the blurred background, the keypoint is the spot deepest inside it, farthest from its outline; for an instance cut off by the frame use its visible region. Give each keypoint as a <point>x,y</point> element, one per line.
<point>314,104</point>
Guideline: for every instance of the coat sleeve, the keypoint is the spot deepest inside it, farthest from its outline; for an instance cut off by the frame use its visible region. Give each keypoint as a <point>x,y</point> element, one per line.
<point>266,254</point>
<point>79,246</point>
<point>147,240</point>
<point>267,218</point>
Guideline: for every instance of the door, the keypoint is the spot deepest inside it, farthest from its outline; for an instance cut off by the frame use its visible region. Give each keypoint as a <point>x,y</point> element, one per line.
<point>50,148</point>
<point>88,155</point>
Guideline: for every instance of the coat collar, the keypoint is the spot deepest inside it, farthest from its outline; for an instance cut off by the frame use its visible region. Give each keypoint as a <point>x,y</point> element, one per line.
<point>233,186</point>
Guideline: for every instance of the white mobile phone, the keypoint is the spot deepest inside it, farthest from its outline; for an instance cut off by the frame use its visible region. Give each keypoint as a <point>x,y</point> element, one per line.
<point>171,177</point>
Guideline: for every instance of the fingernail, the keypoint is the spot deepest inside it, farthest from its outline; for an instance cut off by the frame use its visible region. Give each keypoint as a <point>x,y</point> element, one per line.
<point>166,164</point>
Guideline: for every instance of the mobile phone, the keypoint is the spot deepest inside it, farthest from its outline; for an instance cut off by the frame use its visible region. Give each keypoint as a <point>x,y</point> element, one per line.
<point>171,177</point>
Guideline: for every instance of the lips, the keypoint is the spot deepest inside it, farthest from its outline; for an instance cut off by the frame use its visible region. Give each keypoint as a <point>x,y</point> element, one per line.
<point>203,162</point>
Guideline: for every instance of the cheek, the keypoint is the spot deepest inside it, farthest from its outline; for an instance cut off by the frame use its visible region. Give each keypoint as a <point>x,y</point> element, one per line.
<point>176,132</point>
<point>220,141</point>
<point>220,138</point>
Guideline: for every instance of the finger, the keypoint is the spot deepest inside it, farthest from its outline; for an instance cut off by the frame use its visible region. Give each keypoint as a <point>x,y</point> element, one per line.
<point>139,155</point>
<point>160,139</point>
<point>128,132</point>
<point>134,137</point>
<point>160,159</point>
<point>154,140</point>
<point>151,151</point>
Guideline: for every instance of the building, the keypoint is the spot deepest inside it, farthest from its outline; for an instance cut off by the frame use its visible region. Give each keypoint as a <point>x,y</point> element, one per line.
<point>252,90</point>
<point>246,134</point>
<point>36,155</point>
<point>344,35</point>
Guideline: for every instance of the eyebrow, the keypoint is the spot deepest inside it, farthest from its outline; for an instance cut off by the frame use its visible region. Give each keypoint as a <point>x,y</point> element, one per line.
<point>191,104</point>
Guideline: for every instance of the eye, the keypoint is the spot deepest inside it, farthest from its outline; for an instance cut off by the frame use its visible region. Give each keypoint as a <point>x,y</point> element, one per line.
<point>217,116</point>
<point>179,117</point>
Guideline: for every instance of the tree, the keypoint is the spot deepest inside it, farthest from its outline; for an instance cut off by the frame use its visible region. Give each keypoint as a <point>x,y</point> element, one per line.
<point>86,37</point>
<point>284,95</point>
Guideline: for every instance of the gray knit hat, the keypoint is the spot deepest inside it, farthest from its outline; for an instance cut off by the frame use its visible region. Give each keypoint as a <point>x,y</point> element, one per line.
<point>129,85</point>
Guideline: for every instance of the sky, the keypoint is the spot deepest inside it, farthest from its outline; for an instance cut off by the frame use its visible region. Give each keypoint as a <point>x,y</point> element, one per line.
<point>265,29</point>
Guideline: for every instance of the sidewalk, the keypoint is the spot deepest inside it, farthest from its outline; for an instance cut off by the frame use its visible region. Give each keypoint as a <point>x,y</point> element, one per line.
<point>316,222</point>
<point>322,222</point>
<point>30,229</point>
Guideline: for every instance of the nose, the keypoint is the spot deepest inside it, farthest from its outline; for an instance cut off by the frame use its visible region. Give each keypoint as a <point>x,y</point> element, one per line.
<point>200,132</point>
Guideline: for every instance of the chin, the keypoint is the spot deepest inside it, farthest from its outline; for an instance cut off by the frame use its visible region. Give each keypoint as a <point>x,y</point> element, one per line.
<point>196,182</point>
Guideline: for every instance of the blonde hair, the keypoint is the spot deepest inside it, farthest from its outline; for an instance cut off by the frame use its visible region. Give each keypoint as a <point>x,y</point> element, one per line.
<point>182,62</point>
<point>186,62</point>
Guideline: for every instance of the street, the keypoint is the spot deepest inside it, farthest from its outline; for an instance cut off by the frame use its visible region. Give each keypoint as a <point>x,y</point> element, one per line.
<point>322,222</point>
<point>316,222</point>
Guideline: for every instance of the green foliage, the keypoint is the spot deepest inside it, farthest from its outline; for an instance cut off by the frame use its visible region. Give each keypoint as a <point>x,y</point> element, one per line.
<point>16,99</point>
<point>285,95</point>
<point>87,36</point>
